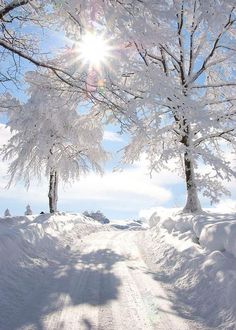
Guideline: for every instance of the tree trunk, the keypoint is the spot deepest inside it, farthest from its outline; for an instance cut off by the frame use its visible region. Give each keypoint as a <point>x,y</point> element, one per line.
<point>56,190</point>
<point>52,194</point>
<point>192,204</point>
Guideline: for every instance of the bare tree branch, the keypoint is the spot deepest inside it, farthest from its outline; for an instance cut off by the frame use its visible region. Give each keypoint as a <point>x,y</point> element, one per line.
<point>215,85</point>
<point>222,135</point>
<point>212,52</point>
<point>11,6</point>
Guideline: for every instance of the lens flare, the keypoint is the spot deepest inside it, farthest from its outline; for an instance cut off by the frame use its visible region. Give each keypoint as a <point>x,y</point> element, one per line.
<point>94,50</point>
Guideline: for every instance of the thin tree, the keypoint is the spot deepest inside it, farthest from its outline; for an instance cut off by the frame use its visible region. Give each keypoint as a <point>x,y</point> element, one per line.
<point>50,138</point>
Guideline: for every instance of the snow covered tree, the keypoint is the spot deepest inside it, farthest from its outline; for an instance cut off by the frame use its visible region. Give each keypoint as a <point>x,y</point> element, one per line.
<point>26,29</point>
<point>21,22</point>
<point>170,81</point>
<point>172,84</point>
<point>28,210</point>
<point>51,138</point>
<point>7,103</point>
<point>7,213</point>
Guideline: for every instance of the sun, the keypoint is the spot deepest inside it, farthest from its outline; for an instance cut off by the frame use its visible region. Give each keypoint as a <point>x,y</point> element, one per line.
<point>93,49</point>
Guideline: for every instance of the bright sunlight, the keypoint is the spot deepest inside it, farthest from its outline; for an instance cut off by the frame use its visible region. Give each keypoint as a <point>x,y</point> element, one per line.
<point>94,50</point>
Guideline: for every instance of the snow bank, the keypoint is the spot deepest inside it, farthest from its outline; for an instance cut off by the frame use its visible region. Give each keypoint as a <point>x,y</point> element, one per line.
<point>21,237</point>
<point>194,257</point>
<point>220,236</point>
<point>214,231</point>
<point>32,250</point>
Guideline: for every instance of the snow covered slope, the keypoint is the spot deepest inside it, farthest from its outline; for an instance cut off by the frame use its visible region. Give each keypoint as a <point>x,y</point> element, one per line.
<point>99,282</point>
<point>46,232</point>
<point>194,257</point>
<point>29,247</point>
<point>54,275</point>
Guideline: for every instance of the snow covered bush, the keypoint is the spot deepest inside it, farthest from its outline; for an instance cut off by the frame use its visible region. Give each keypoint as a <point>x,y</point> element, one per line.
<point>98,216</point>
<point>7,213</point>
<point>28,210</point>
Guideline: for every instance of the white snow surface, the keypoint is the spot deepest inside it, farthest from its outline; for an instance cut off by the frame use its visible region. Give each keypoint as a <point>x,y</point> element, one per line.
<point>21,236</point>
<point>67,271</point>
<point>30,245</point>
<point>195,258</point>
<point>216,231</point>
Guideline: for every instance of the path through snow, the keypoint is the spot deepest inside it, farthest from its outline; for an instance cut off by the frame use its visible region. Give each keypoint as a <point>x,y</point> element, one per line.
<point>102,284</point>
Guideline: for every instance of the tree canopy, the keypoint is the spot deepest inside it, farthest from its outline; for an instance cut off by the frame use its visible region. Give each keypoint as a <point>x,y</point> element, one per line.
<point>168,79</point>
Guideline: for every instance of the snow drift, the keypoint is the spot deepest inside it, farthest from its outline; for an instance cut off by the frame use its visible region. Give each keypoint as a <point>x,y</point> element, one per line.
<point>214,231</point>
<point>194,257</point>
<point>31,247</point>
<point>19,235</point>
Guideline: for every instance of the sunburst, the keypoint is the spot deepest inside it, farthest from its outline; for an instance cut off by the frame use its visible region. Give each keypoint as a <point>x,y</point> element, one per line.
<point>93,50</point>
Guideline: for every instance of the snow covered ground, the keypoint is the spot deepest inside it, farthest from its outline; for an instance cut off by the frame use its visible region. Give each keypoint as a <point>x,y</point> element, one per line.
<point>194,258</point>
<point>30,246</point>
<point>69,272</point>
<point>56,276</point>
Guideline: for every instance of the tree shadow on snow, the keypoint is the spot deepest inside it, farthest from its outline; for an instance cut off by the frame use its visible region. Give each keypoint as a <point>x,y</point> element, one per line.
<point>72,280</point>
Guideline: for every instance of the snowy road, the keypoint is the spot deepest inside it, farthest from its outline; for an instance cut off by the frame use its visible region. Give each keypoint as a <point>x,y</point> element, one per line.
<point>103,285</point>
